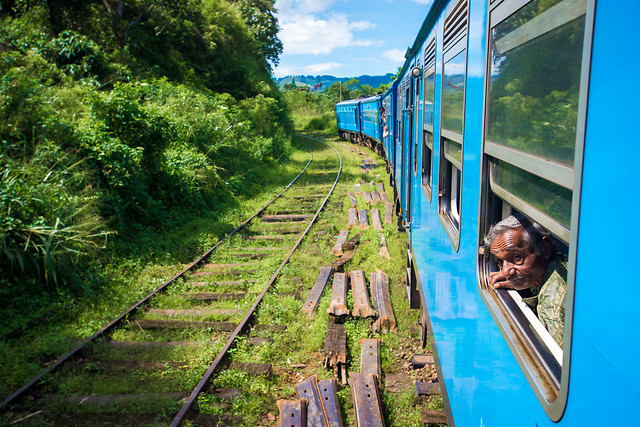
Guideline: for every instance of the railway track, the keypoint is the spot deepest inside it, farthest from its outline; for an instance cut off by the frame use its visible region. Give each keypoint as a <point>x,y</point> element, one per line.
<point>154,363</point>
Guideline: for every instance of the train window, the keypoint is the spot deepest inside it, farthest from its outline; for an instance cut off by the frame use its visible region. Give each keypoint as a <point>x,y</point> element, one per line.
<point>534,131</point>
<point>429,103</point>
<point>417,104</point>
<point>452,120</point>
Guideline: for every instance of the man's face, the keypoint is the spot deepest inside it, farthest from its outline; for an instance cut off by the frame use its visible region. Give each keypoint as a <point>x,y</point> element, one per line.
<point>520,268</point>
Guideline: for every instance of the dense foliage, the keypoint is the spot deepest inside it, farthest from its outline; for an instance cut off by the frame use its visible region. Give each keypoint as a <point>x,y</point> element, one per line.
<point>123,116</point>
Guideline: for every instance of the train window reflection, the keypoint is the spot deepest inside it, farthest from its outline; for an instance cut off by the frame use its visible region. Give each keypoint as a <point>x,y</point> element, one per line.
<point>536,60</point>
<point>453,93</point>
<point>454,60</point>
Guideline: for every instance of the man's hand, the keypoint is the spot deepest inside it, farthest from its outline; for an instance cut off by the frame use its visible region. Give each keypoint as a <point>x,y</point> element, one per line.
<point>499,280</point>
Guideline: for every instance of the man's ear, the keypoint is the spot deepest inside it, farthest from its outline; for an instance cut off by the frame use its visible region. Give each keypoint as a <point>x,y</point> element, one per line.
<point>547,247</point>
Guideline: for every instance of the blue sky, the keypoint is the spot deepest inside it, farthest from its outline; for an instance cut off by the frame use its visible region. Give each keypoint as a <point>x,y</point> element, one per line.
<point>346,38</point>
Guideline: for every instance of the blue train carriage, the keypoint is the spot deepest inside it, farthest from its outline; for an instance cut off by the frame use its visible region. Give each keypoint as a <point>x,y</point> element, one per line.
<point>370,110</point>
<point>388,121</point>
<point>516,107</point>
<point>348,120</point>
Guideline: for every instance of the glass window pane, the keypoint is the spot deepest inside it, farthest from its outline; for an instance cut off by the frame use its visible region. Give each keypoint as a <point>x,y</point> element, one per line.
<point>535,79</point>
<point>429,97</point>
<point>543,195</point>
<point>453,150</point>
<point>453,93</point>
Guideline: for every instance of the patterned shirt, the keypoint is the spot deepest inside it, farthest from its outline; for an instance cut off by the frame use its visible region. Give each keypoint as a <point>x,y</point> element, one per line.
<point>549,303</point>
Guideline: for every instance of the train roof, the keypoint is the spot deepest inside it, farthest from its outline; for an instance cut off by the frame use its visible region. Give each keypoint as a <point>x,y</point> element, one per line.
<point>427,25</point>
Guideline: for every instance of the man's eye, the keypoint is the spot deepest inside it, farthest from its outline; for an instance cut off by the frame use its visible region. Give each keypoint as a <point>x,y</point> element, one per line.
<point>517,259</point>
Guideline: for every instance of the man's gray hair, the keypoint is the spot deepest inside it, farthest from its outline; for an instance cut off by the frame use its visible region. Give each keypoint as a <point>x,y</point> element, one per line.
<point>532,231</point>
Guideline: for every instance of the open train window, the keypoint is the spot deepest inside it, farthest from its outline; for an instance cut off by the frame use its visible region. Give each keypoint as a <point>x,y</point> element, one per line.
<point>452,122</point>
<point>429,104</point>
<point>535,109</point>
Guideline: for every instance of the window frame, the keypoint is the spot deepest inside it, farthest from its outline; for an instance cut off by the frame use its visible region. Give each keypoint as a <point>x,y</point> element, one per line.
<point>455,41</point>
<point>426,174</point>
<point>546,370</point>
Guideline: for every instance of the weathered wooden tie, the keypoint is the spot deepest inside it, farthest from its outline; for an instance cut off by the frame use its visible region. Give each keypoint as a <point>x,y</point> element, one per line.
<point>352,199</point>
<point>384,198</point>
<point>337,248</point>
<point>367,197</point>
<point>308,389</point>
<point>280,218</point>
<point>433,416</point>
<point>382,302</point>
<point>252,368</point>
<point>338,305</point>
<point>335,349</point>
<point>268,238</point>
<point>213,266</point>
<point>217,296</point>
<point>384,249</point>
<point>427,389</point>
<point>381,187</point>
<point>363,218</point>
<point>329,394</point>
<point>361,305</point>
<point>183,324</point>
<point>338,264</point>
<point>238,283</point>
<point>375,196</point>
<point>370,357</point>
<point>352,218</point>
<point>375,220</point>
<point>388,213</point>
<point>311,303</point>
<point>158,344</point>
<point>194,312</point>
<point>366,400</point>
<point>422,360</point>
<point>351,243</point>
<point>293,413</point>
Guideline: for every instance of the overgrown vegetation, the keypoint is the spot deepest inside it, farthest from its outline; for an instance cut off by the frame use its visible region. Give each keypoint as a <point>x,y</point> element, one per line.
<point>122,119</point>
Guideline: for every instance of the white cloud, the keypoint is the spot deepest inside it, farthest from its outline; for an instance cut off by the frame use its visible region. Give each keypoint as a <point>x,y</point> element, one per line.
<point>395,55</point>
<point>314,69</point>
<point>423,2</point>
<point>308,34</point>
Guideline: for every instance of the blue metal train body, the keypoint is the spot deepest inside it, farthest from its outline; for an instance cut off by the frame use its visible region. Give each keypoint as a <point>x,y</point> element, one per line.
<point>509,106</point>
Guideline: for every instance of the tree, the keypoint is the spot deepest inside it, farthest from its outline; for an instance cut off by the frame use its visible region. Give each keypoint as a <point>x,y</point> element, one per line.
<point>260,17</point>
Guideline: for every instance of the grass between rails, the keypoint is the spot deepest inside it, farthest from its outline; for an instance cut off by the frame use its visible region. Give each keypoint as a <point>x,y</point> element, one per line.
<point>295,353</point>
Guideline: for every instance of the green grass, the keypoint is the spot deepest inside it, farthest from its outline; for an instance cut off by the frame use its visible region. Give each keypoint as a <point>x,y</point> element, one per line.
<point>159,257</point>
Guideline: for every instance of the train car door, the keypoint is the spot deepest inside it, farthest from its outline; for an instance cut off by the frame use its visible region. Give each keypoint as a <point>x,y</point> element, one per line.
<point>407,132</point>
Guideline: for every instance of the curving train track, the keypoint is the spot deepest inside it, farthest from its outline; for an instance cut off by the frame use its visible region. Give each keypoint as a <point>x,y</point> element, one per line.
<point>144,365</point>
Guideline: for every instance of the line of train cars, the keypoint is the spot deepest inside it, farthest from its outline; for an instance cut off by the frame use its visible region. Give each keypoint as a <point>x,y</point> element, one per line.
<point>519,107</point>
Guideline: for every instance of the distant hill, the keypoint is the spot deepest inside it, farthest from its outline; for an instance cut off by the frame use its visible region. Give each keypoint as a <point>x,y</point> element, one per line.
<point>312,81</point>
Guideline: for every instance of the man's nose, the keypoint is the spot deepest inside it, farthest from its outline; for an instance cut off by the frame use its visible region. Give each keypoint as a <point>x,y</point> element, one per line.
<point>508,269</point>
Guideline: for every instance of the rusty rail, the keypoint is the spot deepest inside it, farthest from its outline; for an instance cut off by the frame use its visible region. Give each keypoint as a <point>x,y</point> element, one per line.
<point>207,376</point>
